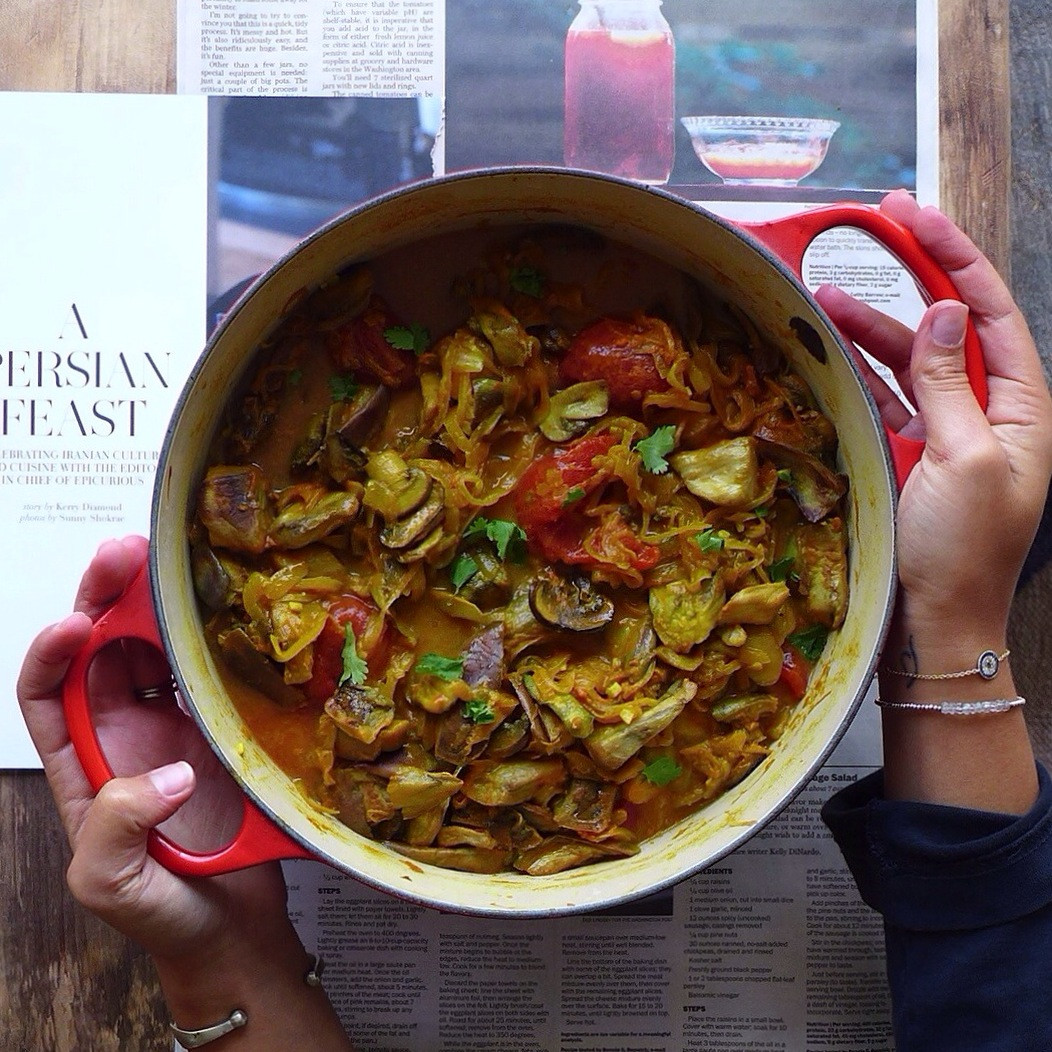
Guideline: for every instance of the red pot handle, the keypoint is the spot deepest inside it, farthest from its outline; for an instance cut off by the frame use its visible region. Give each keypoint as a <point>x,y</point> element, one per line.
<point>790,237</point>
<point>257,840</point>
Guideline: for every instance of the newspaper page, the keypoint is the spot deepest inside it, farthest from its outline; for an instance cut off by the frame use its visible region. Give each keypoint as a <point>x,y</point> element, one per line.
<point>102,320</point>
<point>769,948</point>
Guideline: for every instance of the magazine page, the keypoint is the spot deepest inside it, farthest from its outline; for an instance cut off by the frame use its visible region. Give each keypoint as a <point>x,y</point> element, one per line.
<point>769,948</point>
<point>102,320</point>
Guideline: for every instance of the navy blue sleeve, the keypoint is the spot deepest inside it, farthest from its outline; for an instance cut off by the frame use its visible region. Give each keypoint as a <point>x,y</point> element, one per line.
<point>966,898</point>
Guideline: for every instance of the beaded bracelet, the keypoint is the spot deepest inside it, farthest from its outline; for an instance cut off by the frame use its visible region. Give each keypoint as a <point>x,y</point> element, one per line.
<point>956,708</point>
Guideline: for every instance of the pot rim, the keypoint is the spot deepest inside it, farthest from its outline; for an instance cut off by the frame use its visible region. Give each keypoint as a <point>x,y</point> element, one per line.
<point>656,883</point>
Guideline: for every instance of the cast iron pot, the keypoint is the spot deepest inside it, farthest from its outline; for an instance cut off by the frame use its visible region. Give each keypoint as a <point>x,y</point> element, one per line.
<point>757,268</point>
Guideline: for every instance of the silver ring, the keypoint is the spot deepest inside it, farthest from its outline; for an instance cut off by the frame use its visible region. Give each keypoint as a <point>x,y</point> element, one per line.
<point>162,691</point>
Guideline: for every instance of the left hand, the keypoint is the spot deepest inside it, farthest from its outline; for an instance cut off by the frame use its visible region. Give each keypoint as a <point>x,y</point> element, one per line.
<point>166,773</point>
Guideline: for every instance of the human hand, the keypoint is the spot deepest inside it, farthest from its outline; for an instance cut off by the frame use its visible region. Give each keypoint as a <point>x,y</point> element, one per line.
<point>969,510</point>
<point>166,774</point>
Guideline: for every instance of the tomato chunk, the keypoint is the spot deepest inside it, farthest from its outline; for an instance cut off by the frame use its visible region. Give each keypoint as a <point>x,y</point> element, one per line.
<point>625,353</point>
<point>553,482</point>
<point>794,672</point>
<point>328,647</point>
<point>360,346</point>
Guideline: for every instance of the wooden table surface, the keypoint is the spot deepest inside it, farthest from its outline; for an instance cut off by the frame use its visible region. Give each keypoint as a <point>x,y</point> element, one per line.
<point>68,983</point>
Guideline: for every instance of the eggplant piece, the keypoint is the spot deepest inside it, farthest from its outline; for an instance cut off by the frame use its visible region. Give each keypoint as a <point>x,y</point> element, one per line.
<point>822,560</point>
<point>353,423</point>
<point>685,613</point>
<point>234,507</point>
<point>587,806</point>
<point>304,522</point>
<point>459,738</point>
<point>726,473</point>
<point>414,791</point>
<point>484,659</point>
<point>212,582</point>
<point>557,853</point>
<point>498,784</point>
<point>815,488</point>
<point>361,712</point>
<point>362,803</point>
<point>744,708</point>
<point>613,745</point>
<point>755,604</point>
<point>569,602</point>
<point>511,737</point>
<point>256,669</point>
<point>464,859</point>
<point>572,410</point>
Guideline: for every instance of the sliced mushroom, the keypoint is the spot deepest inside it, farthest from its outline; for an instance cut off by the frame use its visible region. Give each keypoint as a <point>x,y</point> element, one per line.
<point>509,340</point>
<point>571,410</point>
<point>301,523</point>
<point>395,488</point>
<point>211,580</point>
<point>416,524</point>
<point>569,602</point>
<point>614,744</point>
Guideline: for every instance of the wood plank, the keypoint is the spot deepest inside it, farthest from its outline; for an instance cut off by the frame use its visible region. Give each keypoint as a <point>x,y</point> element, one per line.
<point>975,122</point>
<point>88,45</point>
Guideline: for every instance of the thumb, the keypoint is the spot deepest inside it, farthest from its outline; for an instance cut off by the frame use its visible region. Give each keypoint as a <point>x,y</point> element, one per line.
<point>947,410</point>
<point>109,855</point>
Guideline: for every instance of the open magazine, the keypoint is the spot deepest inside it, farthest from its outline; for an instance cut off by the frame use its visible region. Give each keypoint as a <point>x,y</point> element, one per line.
<point>292,111</point>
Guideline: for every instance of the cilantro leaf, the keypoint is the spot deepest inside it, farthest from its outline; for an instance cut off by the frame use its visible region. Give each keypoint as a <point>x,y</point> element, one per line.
<point>432,664</point>
<point>708,540</point>
<point>784,475</point>
<point>478,711</point>
<point>461,570</point>
<point>655,447</point>
<point>527,280</point>
<point>810,641</point>
<point>354,668</point>
<point>508,537</point>
<point>781,569</point>
<point>295,377</point>
<point>343,387</point>
<point>662,770</point>
<point>412,337</point>
<point>573,494</point>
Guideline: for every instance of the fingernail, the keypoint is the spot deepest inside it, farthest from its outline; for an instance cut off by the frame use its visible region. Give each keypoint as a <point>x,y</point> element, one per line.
<point>172,779</point>
<point>947,327</point>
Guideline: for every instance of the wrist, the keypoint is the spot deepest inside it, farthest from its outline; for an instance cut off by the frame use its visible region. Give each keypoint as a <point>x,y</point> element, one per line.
<point>200,988</point>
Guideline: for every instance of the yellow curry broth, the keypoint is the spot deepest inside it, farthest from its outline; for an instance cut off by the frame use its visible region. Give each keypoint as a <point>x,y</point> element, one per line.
<point>538,573</point>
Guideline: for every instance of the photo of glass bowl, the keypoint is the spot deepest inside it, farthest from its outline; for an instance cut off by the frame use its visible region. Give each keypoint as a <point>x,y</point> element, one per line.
<point>760,151</point>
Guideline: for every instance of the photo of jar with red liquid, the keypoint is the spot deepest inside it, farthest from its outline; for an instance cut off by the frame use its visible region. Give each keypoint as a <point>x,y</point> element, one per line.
<point>619,90</point>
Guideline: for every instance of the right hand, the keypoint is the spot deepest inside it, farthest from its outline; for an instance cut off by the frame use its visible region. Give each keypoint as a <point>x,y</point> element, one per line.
<point>969,510</point>
<point>148,744</point>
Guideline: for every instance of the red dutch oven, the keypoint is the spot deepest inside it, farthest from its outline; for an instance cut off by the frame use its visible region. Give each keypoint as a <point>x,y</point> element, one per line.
<point>755,266</point>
